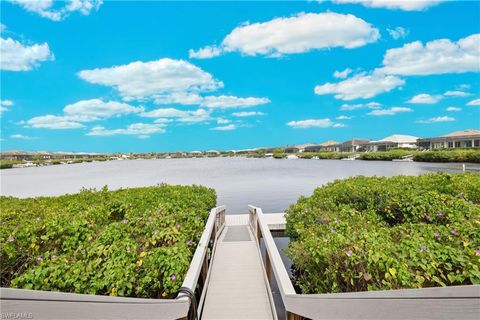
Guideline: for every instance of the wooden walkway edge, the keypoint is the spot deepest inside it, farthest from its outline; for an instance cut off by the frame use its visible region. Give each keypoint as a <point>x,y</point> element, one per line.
<point>237,287</point>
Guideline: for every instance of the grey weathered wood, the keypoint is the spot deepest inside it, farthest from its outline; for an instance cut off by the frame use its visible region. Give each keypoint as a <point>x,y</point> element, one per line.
<point>227,283</point>
<point>383,308</point>
<point>193,273</point>
<point>237,287</point>
<point>57,305</point>
<point>458,302</point>
<point>281,275</point>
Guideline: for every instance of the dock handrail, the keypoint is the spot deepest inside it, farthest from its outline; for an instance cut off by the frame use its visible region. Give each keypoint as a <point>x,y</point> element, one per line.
<point>201,261</point>
<point>456,302</point>
<point>274,259</point>
<point>215,225</point>
<point>36,304</point>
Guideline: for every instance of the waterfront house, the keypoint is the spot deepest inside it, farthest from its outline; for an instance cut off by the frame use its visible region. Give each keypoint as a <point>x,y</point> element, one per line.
<point>329,145</point>
<point>302,147</point>
<point>212,153</point>
<point>273,150</point>
<point>195,153</point>
<point>393,141</point>
<point>15,155</point>
<point>352,145</point>
<point>43,155</point>
<point>313,148</point>
<point>243,151</point>
<point>292,149</point>
<point>177,154</point>
<point>459,139</point>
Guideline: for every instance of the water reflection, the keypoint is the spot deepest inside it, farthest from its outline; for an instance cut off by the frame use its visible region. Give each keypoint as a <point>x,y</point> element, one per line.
<point>268,183</point>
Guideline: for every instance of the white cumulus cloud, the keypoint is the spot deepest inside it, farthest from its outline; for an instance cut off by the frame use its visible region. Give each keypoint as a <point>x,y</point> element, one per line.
<point>167,81</point>
<point>231,102</point>
<point>437,119</point>
<point>475,102</point>
<point>344,118</point>
<point>22,137</point>
<point>435,57</point>
<point>83,111</point>
<point>58,10</point>
<point>314,123</point>
<point>205,52</point>
<point>406,5</point>
<point>342,74</point>
<point>141,80</point>
<point>223,121</point>
<point>248,114</point>
<point>200,115</point>
<point>425,98</point>
<point>53,122</point>
<point>457,93</point>
<point>143,130</point>
<point>228,127</point>
<point>4,105</point>
<point>398,32</point>
<point>350,107</point>
<point>96,109</point>
<point>360,86</point>
<point>16,56</point>
<point>389,112</point>
<point>454,109</point>
<point>297,34</point>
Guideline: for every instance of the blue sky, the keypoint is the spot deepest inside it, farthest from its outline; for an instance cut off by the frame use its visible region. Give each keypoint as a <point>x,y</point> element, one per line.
<point>83,75</point>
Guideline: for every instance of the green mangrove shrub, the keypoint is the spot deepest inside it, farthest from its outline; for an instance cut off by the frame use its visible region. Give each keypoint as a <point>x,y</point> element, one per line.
<point>131,242</point>
<point>387,233</point>
<point>387,155</point>
<point>446,155</point>
<point>7,164</point>
<point>324,155</point>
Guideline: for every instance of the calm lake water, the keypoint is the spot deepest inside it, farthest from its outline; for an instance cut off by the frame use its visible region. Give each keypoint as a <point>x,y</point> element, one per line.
<point>267,183</point>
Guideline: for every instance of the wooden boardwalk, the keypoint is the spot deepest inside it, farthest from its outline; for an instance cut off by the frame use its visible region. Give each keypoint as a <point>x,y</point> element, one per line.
<point>237,287</point>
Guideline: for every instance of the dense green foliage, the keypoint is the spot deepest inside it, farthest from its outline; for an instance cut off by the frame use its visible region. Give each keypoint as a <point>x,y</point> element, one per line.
<point>387,155</point>
<point>279,155</point>
<point>325,155</point>
<point>447,155</point>
<point>7,164</point>
<point>132,242</point>
<point>387,233</point>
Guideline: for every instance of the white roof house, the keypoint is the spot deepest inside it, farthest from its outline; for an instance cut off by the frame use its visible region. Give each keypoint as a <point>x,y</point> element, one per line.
<point>393,141</point>
<point>399,138</point>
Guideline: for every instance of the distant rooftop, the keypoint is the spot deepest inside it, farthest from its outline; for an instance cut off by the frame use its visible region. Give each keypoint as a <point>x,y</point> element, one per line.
<point>301,146</point>
<point>468,132</point>
<point>398,138</point>
<point>328,143</point>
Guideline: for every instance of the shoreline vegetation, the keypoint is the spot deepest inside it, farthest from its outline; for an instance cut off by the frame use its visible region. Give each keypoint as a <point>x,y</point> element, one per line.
<point>8,164</point>
<point>131,242</point>
<point>350,235</point>
<point>372,233</point>
<point>467,155</point>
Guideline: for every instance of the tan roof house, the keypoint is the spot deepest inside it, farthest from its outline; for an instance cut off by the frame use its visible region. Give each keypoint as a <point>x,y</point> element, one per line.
<point>469,138</point>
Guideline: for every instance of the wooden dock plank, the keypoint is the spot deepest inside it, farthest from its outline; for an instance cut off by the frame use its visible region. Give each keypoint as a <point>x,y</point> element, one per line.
<point>237,287</point>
